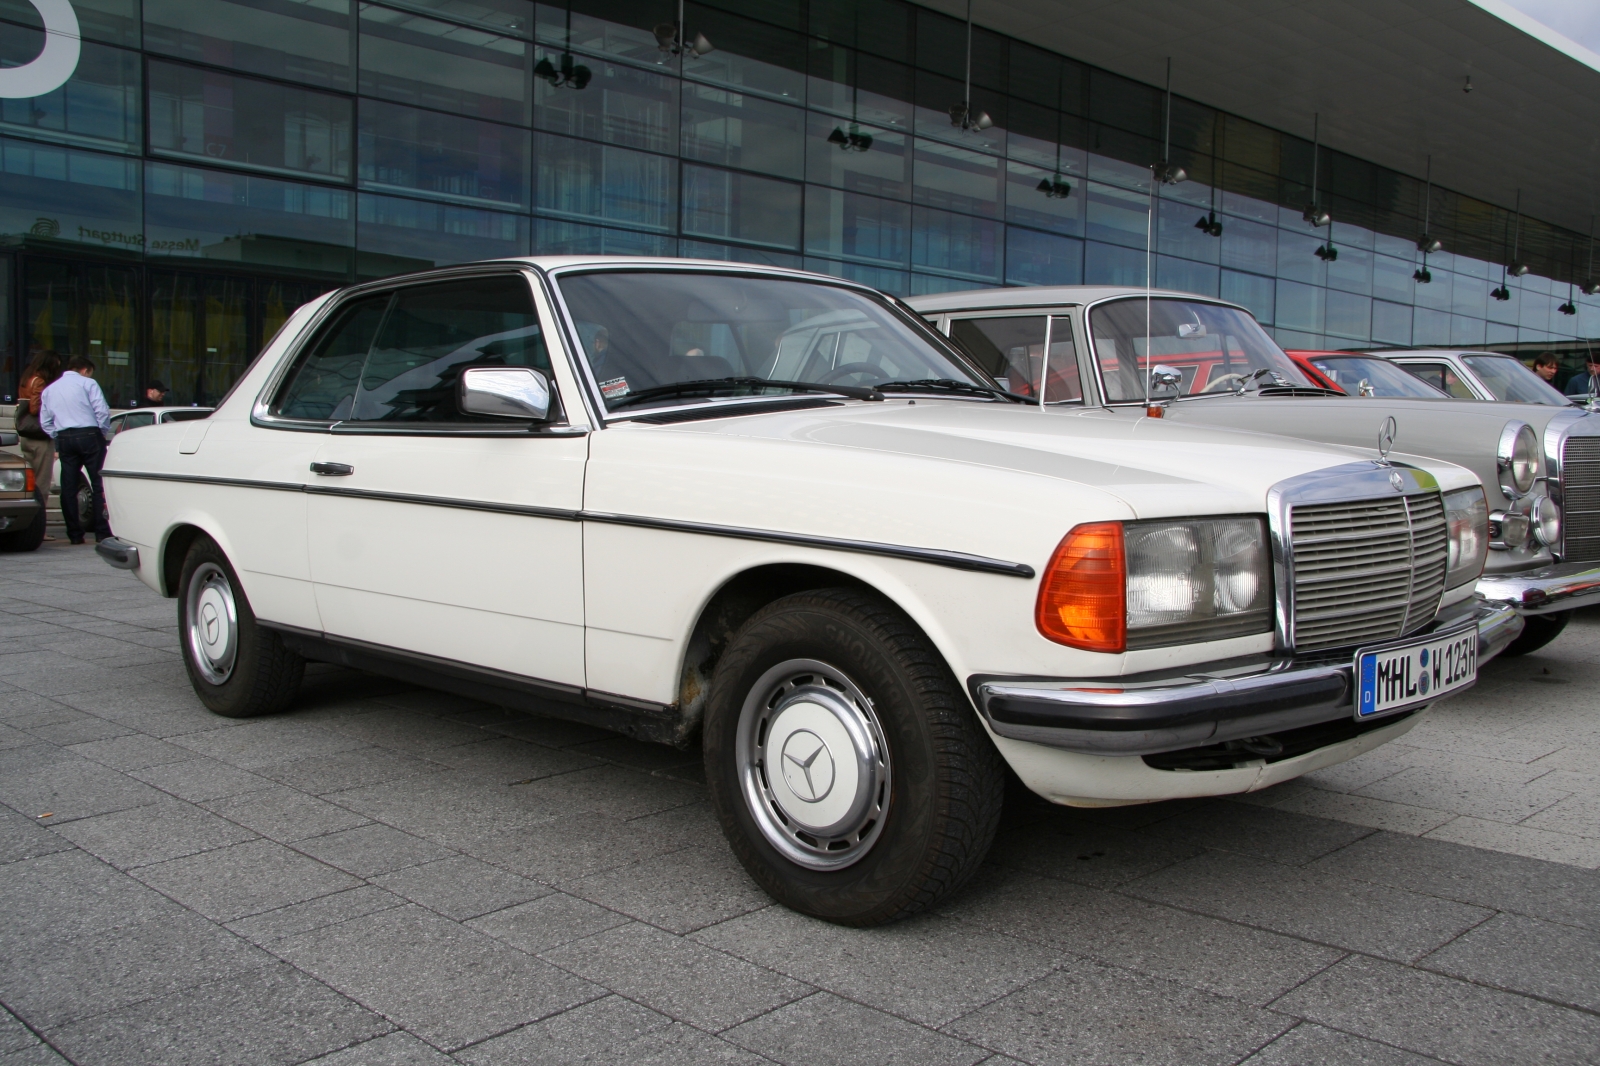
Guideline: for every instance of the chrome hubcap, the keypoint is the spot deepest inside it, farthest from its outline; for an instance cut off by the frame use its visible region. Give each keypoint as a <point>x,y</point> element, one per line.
<point>813,764</point>
<point>213,623</point>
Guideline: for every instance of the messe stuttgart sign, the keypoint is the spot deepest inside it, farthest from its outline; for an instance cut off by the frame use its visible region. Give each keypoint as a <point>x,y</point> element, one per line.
<point>51,68</point>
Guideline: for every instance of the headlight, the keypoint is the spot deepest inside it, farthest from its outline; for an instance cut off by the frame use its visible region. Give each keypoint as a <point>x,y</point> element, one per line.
<point>1467,514</point>
<point>1112,586</point>
<point>1517,459</point>
<point>1546,521</point>
<point>14,480</point>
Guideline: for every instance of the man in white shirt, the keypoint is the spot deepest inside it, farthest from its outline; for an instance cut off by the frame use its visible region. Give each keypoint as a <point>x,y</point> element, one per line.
<point>73,411</point>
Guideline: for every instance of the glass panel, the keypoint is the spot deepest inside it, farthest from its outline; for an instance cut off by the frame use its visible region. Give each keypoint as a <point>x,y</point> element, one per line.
<point>620,105</point>
<point>98,107</point>
<point>299,40</point>
<point>279,299</point>
<point>937,95</point>
<point>1465,331</point>
<point>749,56</point>
<point>1300,307</point>
<point>860,227</point>
<point>1442,377</point>
<point>1367,375</point>
<point>1177,233</point>
<point>50,195</point>
<point>1391,323</point>
<point>884,279</point>
<point>734,253</point>
<point>111,21</point>
<point>1107,264</point>
<point>1391,278</point>
<point>646,334</point>
<point>434,332</point>
<point>1218,349</point>
<point>1349,315</point>
<point>553,237</point>
<point>603,183</point>
<point>1012,351</point>
<point>1118,215</point>
<point>957,179</point>
<point>620,28</point>
<point>394,236</point>
<point>882,170</point>
<point>241,218</point>
<point>200,335</point>
<point>740,130</point>
<point>243,122</point>
<point>1042,258</point>
<point>1509,380</point>
<point>860,87</point>
<point>1184,275</point>
<point>1430,329</point>
<point>91,310</point>
<point>883,26</point>
<point>421,61</point>
<point>404,149</point>
<point>499,16</point>
<point>959,244</point>
<point>10,372</point>
<point>1257,293</point>
<point>1352,271</point>
<point>323,383</point>
<point>1034,197</point>
<point>719,203</point>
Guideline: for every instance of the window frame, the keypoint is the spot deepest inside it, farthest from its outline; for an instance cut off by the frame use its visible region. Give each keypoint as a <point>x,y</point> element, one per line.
<point>947,323</point>
<point>574,417</point>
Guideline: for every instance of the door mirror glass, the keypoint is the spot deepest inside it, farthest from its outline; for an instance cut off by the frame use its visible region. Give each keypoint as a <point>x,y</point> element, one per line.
<point>504,392</point>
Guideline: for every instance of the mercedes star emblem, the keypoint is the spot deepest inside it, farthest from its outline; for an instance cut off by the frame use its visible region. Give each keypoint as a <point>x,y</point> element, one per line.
<point>1386,437</point>
<point>807,766</point>
<point>208,617</point>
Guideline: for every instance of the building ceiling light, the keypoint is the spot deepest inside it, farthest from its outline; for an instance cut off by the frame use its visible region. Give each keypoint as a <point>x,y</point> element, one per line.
<point>570,73</point>
<point>1518,270</point>
<point>1316,215</point>
<point>1428,245</point>
<point>1568,308</point>
<point>1502,293</point>
<point>963,117</point>
<point>1422,275</point>
<point>1054,188</point>
<point>1589,288</point>
<point>1209,225</point>
<point>1327,252</point>
<point>854,141</point>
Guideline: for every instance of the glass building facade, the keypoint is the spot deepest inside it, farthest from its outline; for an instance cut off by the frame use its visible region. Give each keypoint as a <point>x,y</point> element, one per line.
<point>211,164</point>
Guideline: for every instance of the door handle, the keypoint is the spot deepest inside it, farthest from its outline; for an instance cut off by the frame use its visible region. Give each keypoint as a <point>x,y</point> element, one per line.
<point>332,469</point>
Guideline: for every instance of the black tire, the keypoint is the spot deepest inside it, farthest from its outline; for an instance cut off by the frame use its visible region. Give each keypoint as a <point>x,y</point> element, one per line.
<point>260,675</point>
<point>1539,630</point>
<point>26,539</point>
<point>943,781</point>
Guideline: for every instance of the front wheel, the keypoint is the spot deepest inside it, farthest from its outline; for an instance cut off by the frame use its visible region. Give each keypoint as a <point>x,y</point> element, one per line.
<point>26,539</point>
<point>237,668</point>
<point>849,772</point>
<point>1537,631</point>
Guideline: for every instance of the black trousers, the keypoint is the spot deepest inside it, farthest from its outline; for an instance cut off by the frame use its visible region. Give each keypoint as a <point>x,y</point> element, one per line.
<point>82,450</point>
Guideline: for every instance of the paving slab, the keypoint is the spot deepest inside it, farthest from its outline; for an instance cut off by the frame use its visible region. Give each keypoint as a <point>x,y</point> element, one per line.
<point>824,1030</point>
<point>548,922</point>
<point>461,888</point>
<point>1441,1016</point>
<point>284,814</point>
<point>1555,962</point>
<point>143,836</point>
<point>680,891</point>
<point>244,879</point>
<point>589,1033</point>
<point>1308,1044</point>
<point>370,850</point>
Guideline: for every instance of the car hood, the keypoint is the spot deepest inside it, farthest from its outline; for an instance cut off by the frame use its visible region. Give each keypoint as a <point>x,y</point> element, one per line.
<point>1157,466</point>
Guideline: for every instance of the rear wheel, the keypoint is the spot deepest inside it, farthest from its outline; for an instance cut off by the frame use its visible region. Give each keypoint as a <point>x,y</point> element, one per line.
<point>849,772</point>
<point>1537,631</point>
<point>237,668</point>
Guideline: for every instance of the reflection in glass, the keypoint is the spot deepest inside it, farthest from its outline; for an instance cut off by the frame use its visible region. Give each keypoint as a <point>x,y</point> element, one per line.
<point>741,207</point>
<point>428,63</point>
<point>621,105</point>
<point>396,236</point>
<point>883,171</point>
<point>50,193</point>
<point>262,125</point>
<point>849,225</point>
<point>740,130</point>
<point>246,219</point>
<point>960,244</point>
<point>1218,349</point>
<point>1372,377</point>
<point>556,237</point>
<point>98,107</point>
<point>405,149</point>
<point>602,183</point>
<point>1034,258</point>
<point>87,309</point>
<point>199,334</point>
<point>750,56</point>
<point>307,41</point>
<point>956,179</point>
<point>1011,349</point>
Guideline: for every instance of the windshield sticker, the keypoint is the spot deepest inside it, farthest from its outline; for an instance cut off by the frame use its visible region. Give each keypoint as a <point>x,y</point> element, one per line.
<point>615,389</point>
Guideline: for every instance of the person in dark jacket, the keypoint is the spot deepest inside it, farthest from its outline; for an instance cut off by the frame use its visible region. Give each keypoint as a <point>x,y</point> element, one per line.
<point>1586,384</point>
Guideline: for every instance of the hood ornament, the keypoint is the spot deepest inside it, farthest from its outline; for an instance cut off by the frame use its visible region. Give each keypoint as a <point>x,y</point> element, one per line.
<point>1386,434</point>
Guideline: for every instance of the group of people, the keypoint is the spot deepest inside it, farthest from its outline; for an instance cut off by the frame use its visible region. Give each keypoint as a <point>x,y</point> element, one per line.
<point>62,414</point>
<point>1547,366</point>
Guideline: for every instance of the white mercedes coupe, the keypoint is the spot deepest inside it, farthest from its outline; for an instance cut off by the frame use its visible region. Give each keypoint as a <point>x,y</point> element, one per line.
<point>779,514</point>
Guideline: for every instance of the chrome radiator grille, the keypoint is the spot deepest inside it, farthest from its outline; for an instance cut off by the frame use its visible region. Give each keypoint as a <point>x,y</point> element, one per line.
<point>1366,571</point>
<point>1580,498</point>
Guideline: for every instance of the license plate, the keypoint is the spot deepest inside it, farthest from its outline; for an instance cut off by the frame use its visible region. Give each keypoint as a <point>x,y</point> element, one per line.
<point>1395,678</point>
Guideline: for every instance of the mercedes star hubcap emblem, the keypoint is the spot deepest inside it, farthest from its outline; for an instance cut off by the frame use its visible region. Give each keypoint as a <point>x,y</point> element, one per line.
<point>807,766</point>
<point>208,618</point>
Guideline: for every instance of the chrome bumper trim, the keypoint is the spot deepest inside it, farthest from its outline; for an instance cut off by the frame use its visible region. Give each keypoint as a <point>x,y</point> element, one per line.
<point>119,553</point>
<point>1550,588</point>
<point>1204,705</point>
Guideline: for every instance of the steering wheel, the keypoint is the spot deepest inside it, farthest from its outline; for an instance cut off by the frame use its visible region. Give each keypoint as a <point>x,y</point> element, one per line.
<point>1226,381</point>
<point>847,369</point>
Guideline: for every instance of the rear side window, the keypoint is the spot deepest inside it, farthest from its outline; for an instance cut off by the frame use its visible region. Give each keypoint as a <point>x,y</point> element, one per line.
<point>1012,350</point>
<point>1442,377</point>
<point>323,383</point>
<point>434,332</point>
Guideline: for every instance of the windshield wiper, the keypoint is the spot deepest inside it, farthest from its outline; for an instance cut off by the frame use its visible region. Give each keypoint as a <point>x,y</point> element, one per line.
<point>710,385</point>
<point>949,385</point>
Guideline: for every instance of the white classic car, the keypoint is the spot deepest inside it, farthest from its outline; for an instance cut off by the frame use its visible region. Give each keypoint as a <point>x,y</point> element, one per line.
<point>1208,362</point>
<point>776,512</point>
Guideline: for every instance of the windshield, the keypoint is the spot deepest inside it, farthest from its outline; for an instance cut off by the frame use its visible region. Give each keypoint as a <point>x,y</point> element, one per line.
<point>1216,349</point>
<point>649,330</point>
<point>1509,380</point>
<point>1367,375</point>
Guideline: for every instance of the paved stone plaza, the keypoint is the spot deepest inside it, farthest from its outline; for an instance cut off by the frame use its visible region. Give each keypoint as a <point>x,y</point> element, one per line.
<point>393,876</point>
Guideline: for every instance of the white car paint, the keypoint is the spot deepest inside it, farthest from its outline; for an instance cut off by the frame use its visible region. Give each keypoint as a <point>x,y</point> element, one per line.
<point>612,607</point>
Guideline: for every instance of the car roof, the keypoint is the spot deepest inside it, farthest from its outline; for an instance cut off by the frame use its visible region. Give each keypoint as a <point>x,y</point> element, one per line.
<point>1037,295</point>
<point>614,262</point>
<point>165,410</point>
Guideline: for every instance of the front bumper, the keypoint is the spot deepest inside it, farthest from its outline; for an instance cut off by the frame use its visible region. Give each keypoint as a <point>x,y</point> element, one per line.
<point>1543,591</point>
<point>1202,706</point>
<point>18,513</point>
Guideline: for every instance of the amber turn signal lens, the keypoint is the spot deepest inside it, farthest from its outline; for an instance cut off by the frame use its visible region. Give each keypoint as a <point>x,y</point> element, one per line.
<point>32,485</point>
<point>1081,599</point>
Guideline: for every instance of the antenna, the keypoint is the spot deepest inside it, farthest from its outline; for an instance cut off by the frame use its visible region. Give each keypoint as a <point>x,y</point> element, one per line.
<point>1149,270</point>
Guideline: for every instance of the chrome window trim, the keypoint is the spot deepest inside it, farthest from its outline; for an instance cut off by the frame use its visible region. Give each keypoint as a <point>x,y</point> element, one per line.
<point>1561,426</point>
<point>1347,483</point>
<point>262,416</point>
<point>591,387</point>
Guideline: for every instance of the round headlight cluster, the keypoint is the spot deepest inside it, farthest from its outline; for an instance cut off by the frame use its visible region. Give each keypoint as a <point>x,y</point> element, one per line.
<point>1546,521</point>
<point>1517,459</point>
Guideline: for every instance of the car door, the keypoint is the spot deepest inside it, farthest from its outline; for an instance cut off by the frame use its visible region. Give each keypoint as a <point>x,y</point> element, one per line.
<point>1444,377</point>
<point>432,531</point>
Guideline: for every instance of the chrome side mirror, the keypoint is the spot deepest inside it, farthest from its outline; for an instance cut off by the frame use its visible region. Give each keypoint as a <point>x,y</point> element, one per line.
<point>504,392</point>
<point>1165,377</point>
